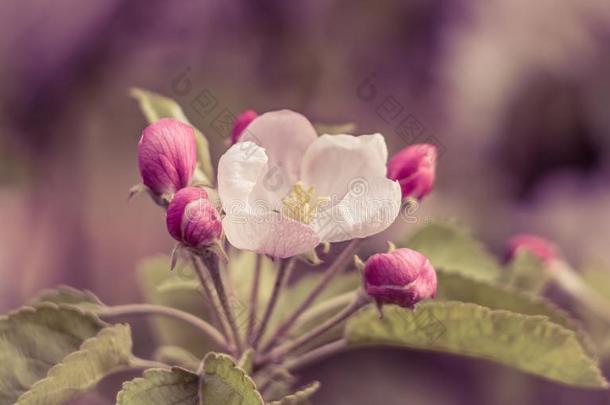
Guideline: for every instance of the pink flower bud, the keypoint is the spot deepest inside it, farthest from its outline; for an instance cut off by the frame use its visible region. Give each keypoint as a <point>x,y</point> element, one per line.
<point>402,277</point>
<point>167,156</point>
<point>241,122</point>
<point>540,247</point>
<point>192,218</point>
<point>414,167</point>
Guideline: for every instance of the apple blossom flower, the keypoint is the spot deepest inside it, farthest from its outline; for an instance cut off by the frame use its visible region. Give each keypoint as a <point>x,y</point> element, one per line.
<point>241,122</point>
<point>414,167</point>
<point>192,219</point>
<point>167,156</point>
<point>542,248</point>
<point>284,189</point>
<point>402,277</point>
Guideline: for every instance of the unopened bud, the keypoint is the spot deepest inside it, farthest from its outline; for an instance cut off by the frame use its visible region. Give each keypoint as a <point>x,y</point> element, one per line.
<point>402,277</point>
<point>192,218</point>
<point>241,122</point>
<point>167,156</point>
<point>542,248</point>
<point>414,167</point>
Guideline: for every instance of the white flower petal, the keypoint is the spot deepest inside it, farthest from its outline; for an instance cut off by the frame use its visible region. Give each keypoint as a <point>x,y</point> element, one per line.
<point>239,169</point>
<point>285,135</point>
<point>333,162</point>
<point>269,233</point>
<point>371,205</point>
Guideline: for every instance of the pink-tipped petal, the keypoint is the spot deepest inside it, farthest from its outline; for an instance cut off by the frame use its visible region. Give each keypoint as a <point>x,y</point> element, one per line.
<point>285,135</point>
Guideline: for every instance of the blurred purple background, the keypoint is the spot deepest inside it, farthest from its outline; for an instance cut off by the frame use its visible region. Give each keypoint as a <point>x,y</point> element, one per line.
<point>516,92</point>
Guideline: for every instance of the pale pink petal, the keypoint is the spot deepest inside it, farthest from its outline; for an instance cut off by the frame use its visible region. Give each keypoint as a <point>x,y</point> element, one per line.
<point>369,207</point>
<point>333,162</point>
<point>238,171</point>
<point>269,233</point>
<point>285,135</point>
<point>246,180</point>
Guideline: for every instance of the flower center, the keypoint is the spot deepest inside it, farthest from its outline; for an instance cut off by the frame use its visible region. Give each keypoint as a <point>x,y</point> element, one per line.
<point>302,204</point>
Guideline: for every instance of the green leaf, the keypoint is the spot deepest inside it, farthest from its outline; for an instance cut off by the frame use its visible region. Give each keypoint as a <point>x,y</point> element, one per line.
<point>35,341</point>
<point>153,272</point>
<point>161,387</point>
<point>452,247</point>
<point>225,383</point>
<point>457,287</point>
<point>241,273</point>
<point>300,397</point>
<point>334,129</point>
<point>529,343</point>
<point>177,283</point>
<point>526,272</point>
<point>81,370</point>
<point>597,277</point>
<point>63,294</point>
<point>246,361</point>
<point>155,106</point>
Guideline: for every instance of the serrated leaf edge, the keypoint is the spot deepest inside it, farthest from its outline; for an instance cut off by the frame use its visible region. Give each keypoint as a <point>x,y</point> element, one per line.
<point>572,323</point>
<point>83,350</point>
<point>301,394</point>
<point>61,288</point>
<point>245,377</point>
<point>126,384</point>
<point>593,365</point>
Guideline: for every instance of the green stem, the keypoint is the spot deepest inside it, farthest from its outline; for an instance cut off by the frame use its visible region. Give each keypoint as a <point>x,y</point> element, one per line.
<point>339,264</point>
<point>210,259</point>
<point>136,362</point>
<point>329,306</point>
<point>213,301</point>
<point>284,269</point>
<point>151,309</point>
<point>317,354</point>
<point>288,348</point>
<point>254,298</point>
<point>573,284</point>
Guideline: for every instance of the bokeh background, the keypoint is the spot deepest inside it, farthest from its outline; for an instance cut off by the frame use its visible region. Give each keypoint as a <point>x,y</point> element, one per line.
<point>516,93</point>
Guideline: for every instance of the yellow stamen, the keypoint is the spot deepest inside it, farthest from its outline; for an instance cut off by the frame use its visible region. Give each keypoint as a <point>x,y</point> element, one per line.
<point>302,204</point>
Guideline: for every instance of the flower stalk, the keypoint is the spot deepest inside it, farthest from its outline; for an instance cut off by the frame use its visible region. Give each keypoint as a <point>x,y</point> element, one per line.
<point>339,264</point>
<point>284,270</point>
<point>151,309</point>
<point>211,261</point>
<point>286,349</point>
<point>573,284</point>
<point>214,304</point>
<point>254,298</point>
<point>316,355</point>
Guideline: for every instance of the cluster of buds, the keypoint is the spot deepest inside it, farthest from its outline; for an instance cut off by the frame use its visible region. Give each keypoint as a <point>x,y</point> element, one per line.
<point>167,159</point>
